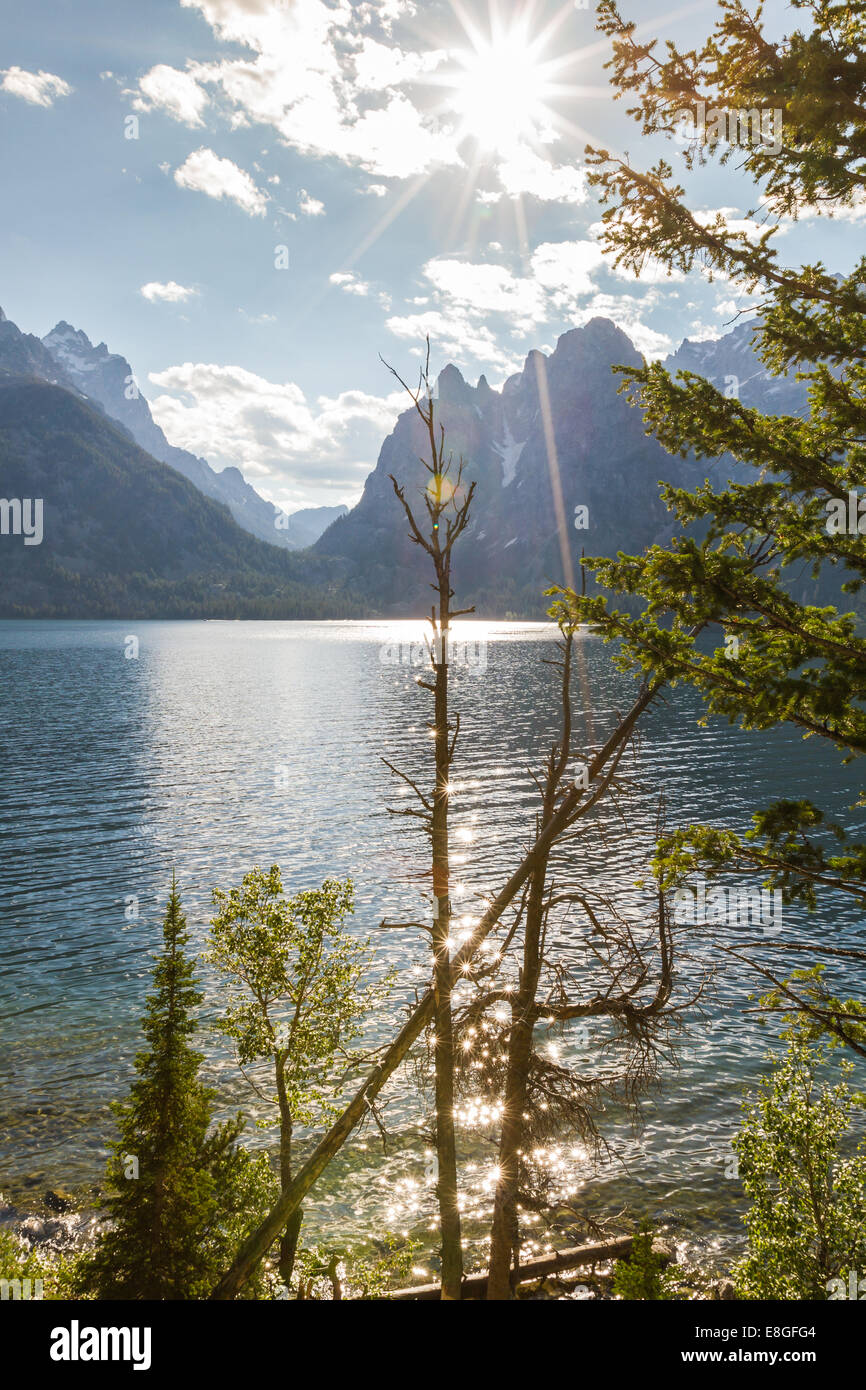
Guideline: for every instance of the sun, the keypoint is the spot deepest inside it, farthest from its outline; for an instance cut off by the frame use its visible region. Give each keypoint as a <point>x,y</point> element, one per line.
<point>500,92</point>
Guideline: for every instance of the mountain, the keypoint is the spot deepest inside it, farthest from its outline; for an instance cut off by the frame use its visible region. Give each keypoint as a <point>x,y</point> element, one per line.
<point>731,364</point>
<point>108,379</point>
<point>304,528</point>
<point>28,356</point>
<point>556,437</point>
<point>558,429</point>
<point>125,535</point>
<point>129,530</point>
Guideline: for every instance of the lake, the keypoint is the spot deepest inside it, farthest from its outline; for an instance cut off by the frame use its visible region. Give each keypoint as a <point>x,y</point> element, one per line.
<point>134,750</point>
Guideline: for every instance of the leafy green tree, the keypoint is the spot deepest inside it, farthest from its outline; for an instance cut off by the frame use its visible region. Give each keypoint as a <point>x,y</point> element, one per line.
<point>30,1273</point>
<point>181,1190</point>
<point>719,609</point>
<point>807,1219</point>
<point>294,1000</point>
<point>334,1273</point>
<point>642,1276</point>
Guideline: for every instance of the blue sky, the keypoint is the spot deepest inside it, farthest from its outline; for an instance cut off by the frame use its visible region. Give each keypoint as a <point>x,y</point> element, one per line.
<point>421,164</point>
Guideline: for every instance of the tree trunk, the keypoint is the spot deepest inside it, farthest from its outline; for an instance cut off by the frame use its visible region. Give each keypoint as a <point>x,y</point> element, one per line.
<point>289,1244</point>
<point>289,1237</point>
<point>259,1241</point>
<point>504,1234</point>
<point>446,1149</point>
<point>505,1229</point>
<point>475,1285</point>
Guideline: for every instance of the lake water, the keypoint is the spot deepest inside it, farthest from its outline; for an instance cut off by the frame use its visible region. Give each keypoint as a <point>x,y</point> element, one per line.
<point>221,746</point>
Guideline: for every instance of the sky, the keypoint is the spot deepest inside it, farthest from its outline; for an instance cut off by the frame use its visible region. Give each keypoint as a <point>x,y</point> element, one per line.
<point>252,200</point>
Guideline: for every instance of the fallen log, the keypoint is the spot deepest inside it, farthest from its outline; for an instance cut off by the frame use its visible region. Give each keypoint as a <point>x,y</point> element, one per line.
<point>475,1285</point>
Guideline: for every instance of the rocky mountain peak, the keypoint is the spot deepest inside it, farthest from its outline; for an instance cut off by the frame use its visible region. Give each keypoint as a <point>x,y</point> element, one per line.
<point>452,386</point>
<point>72,348</point>
<point>105,377</point>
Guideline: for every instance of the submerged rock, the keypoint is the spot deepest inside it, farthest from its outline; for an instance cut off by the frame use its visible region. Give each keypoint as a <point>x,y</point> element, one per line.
<point>56,1201</point>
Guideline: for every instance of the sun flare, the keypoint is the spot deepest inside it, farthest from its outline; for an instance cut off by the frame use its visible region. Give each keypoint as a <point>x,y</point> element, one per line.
<point>500,92</point>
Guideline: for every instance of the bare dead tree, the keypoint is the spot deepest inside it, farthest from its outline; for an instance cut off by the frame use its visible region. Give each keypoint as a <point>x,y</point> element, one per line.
<point>621,974</point>
<point>538,1095</point>
<point>504,1227</point>
<point>575,802</point>
<point>578,801</point>
<point>447,502</point>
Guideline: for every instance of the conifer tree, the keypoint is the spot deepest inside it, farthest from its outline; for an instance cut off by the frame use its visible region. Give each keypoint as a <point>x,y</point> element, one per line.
<point>180,1189</point>
<point>737,569</point>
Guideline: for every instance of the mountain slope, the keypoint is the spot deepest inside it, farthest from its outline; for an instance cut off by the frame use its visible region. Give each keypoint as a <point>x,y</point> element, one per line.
<point>731,364</point>
<point>107,378</point>
<point>557,436</point>
<point>126,535</point>
<point>304,527</point>
<point>125,532</point>
<point>26,355</point>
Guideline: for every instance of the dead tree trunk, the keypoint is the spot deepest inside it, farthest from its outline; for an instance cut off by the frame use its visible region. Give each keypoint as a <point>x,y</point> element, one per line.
<point>446,1148</point>
<point>561,1261</point>
<point>447,504</point>
<point>576,802</point>
<point>504,1236</point>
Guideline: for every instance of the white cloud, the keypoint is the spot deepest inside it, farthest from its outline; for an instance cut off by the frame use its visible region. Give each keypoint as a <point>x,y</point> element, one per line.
<point>333,81</point>
<point>310,206</point>
<point>377,190</point>
<point>564,268</point>
<point>39,88</point>
<point>385,12</point>
<point>486,289</point>
<point>855,211</point>
<point>560,275</point>
<point>475,303</point>
<point>174,92</point>
<point>627,311</point>
<point>349,283</point>
<point>312,75</point>
<point>169,293</point>
<point>651,273</point>
<point>380,65</point>
<point>524,171</point>
<point>702,332</point>
<point>393,141</point>
<point>207,173</point>
<point>731,221</point>
<point>270,430</point>
<point>457,335</point>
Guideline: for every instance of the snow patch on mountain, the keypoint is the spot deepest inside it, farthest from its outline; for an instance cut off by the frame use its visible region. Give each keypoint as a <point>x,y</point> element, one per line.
<point>509,450</point>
